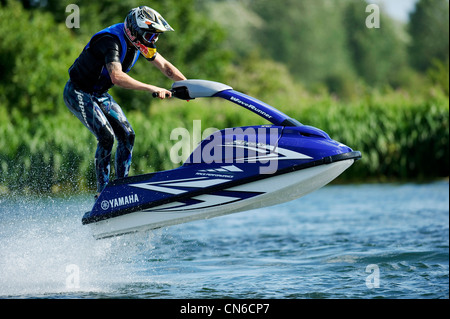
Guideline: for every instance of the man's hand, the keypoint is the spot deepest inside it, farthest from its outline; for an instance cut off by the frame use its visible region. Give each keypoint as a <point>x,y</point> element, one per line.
<point>162,93</point>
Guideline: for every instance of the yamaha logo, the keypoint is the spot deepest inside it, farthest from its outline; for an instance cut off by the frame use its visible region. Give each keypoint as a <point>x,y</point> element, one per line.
<point>105,205</point>
<point>120,201</point>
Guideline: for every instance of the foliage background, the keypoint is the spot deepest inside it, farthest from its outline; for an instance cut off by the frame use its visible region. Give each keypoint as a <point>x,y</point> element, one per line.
<point>381,91</point>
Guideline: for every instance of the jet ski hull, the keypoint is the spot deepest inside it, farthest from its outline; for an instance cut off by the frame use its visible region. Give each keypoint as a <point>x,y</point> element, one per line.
<point>261,192</point>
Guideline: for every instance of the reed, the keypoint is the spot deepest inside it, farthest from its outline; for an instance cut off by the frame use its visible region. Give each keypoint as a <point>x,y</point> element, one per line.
<point>401,138</point>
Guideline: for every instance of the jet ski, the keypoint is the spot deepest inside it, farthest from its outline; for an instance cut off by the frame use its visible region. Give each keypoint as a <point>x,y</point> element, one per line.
<point>233,170</point>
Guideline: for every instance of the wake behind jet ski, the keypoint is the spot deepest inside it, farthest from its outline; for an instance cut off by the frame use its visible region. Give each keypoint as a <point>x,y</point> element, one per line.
<point>233,170</point>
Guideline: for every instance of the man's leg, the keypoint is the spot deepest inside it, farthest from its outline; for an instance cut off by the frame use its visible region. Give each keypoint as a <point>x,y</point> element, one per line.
<point>123,132</point>
<point>87,110</point>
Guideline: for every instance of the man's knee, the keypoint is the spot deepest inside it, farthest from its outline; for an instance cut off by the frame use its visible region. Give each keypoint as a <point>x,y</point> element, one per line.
<point>130,138</point>
<point>126,137</point>
<point>106,139</point>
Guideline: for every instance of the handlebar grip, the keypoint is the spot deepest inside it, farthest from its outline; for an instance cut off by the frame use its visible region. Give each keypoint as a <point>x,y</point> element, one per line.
<point>155,94</point>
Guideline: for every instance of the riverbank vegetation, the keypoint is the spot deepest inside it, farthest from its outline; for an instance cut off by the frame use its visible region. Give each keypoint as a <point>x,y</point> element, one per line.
<point>381,91</point>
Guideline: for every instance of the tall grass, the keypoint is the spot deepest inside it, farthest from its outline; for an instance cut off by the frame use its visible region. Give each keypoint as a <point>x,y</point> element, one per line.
<point>400,137</point>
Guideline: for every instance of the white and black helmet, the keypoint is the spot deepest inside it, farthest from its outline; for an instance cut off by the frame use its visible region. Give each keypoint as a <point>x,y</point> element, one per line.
<point>142,27</point>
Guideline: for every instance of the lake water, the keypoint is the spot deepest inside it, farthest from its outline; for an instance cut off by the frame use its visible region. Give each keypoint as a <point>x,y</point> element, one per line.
<point>342,241</point>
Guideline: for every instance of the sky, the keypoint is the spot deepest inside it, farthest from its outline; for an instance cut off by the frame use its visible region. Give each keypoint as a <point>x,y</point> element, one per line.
<point>397,9</point>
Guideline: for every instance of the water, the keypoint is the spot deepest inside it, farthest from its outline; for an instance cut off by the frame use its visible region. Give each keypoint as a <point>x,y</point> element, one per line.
<point>352,241</point>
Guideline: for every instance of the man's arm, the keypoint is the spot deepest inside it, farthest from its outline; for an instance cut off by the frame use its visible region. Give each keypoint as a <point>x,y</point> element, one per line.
<point>120,78</point>
<point>167,68</point>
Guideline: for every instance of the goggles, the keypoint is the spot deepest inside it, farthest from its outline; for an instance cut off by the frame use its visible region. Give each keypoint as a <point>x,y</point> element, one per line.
<point>150,37</point>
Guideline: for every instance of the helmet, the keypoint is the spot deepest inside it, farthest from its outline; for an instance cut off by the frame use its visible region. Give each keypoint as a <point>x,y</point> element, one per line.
<point>142,27</point>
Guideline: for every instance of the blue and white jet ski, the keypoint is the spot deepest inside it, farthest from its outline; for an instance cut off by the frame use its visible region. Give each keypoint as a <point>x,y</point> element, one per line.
<point>232,170</point>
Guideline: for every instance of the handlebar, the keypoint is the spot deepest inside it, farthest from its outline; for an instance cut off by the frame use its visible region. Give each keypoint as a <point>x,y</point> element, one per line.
<point>181,93</point>
<point>155,94</point>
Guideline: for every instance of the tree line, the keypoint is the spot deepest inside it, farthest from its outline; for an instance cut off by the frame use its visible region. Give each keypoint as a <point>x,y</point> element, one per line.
<point>328,43</point>
<point>383,91</point>
<point>325,45</point>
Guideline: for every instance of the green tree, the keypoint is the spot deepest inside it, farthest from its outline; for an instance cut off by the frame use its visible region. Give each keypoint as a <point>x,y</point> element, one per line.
<point>306,35</point>
<point>378,54</point>
<point>33,61</point>
<point>429,30</point>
